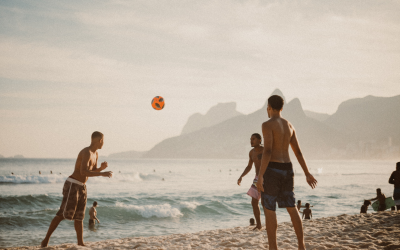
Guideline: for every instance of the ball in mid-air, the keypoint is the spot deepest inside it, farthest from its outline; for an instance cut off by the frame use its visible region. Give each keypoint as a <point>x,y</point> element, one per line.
<point>158,103</point>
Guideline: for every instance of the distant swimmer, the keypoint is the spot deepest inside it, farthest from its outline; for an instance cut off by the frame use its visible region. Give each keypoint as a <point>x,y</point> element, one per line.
<point>364,208</point>
<point>395,180</point>
<point>40,172</point>
<point>12,173</point>
<point>51,172</point>
<point>154,170</point>
<point>163,179</point>
<point>307,213</point>
<point>254,157</point>
<point>381,197</point>
<point>73,204</point>
<point>276,177</point>
<point>93,214</point>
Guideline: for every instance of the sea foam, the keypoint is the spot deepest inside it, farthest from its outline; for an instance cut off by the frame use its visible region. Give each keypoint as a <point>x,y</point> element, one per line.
<point>147,211</point>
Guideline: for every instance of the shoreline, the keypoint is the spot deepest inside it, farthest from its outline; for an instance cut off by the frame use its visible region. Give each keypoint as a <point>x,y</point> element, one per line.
<point>370,231</point>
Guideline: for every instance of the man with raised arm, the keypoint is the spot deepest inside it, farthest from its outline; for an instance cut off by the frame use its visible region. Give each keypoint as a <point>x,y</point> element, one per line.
<point>275,180</point>
<point>254,157</point>
<point>73,205</point>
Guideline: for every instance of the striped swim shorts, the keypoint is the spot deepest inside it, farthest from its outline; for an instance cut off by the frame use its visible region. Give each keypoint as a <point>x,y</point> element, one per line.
<point>73,205</point>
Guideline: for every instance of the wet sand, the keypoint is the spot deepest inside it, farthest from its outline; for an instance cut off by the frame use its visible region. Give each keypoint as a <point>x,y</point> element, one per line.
<point>370,231</point>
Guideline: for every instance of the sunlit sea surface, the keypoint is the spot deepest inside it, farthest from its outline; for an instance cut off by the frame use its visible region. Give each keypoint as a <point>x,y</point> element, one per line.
<point>195,195</point>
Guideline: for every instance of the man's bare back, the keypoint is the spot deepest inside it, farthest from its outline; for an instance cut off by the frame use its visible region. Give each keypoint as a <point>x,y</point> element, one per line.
<point>282,133</point>
<point>92,213</point>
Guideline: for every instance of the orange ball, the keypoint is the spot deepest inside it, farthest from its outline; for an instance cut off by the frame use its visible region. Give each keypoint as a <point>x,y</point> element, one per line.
<point>158,103</point>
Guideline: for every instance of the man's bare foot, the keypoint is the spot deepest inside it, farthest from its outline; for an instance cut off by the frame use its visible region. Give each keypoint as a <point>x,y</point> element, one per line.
<point>257,228</point>
<point>82,244</point>
<point>44,243</point>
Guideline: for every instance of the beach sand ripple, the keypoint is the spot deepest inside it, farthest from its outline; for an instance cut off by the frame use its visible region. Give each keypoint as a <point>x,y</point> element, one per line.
<point>370,231</point>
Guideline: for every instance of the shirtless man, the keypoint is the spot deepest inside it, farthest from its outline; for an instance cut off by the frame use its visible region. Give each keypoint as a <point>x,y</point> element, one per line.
<point>93,214</point>
<point>275,180</point>
<point>395,180</point>
<point>254,157</point>
<point>73,205</point>
<point>381,197</point>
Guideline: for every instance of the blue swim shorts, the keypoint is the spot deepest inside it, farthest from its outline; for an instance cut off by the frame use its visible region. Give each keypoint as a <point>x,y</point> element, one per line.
<point>278,186</point>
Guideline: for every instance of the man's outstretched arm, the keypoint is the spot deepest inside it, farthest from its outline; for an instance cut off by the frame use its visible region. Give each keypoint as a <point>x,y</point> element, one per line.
<point>266,155</point>
<point>294,143</point>
<point>246,170</point>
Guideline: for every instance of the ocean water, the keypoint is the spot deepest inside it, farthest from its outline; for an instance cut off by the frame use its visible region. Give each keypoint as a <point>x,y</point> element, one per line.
<point>195,195</point>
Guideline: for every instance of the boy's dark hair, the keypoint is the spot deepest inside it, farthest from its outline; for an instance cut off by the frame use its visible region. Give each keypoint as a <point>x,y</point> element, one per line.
<point>257,135</point>
<point>97,134</point>
<point>252,221</point>
<point>307,205</point>
<point>95,203</point>
<point>398,166</point>
<point>275,102</point>
<point>367,203</point>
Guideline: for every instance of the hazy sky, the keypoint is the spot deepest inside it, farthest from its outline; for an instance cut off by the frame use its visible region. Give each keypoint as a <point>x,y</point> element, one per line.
<point>68,68</point>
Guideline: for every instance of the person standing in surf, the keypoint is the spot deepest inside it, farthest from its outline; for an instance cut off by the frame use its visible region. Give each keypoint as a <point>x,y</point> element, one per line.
<point>93,215</point>
<point>73,204</point>
<point>254,157</point>
<point>276,177</point>
<point>395,180</point>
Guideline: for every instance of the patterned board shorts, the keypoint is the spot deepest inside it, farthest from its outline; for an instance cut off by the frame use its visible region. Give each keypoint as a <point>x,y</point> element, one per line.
<point>73,205</point>
<point>278,186</point>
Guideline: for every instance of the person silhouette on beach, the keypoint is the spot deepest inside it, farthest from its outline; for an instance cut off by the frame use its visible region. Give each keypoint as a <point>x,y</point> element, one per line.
<point>381,197</point>
<point>364,208</point>
<point>73,204</point>
<point>252,222</point>
<point>307,213</point>
<point>93,215</point>
<point>276,177</point>
<point>254,157</point>
<point>395,180</point>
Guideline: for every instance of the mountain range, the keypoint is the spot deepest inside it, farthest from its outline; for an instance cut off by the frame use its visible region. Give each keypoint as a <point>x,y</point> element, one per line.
<point>361,128</point>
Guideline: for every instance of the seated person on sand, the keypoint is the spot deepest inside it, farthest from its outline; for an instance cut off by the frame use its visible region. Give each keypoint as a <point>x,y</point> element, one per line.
<point>364,207</point>
<point>307,212</point>
<point>395,180</point>
<point>93,214</point>
<point>381,197</point>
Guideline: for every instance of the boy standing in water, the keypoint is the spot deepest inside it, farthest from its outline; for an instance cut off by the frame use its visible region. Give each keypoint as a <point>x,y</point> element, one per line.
<point>307,213</point>
<point>93,214</point>
<point>254,157</point>
<point>73,205</point>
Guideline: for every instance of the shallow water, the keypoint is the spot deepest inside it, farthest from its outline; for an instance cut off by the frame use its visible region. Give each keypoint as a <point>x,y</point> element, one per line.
<point>196,195</point>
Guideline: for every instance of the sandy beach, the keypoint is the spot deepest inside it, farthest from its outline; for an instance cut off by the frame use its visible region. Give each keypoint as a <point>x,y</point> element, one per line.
<point>370,231</point>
